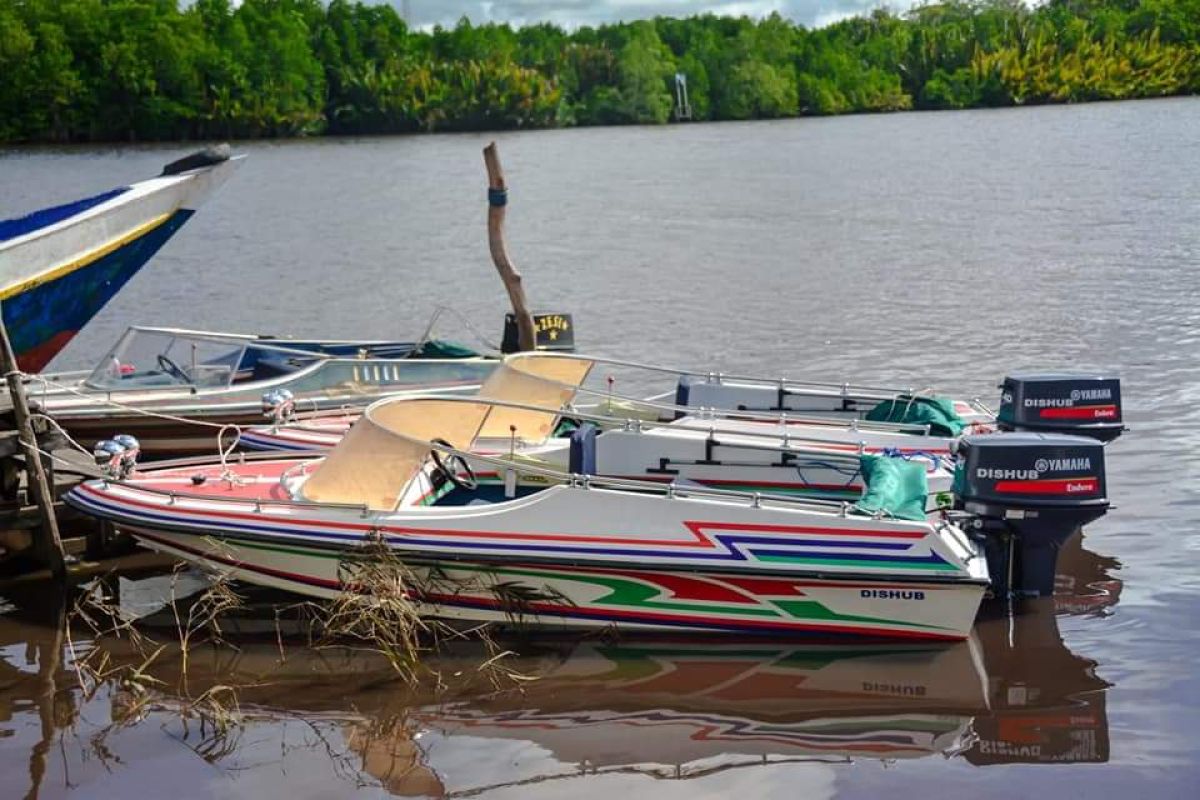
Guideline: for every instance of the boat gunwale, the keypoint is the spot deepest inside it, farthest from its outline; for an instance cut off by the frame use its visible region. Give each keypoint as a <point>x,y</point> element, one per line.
<point>207,530</point>
<point>711,412</point>
<point>90,397</point>
<point>845,389</point>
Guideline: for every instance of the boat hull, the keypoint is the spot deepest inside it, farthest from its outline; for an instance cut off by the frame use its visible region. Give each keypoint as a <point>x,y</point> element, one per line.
<point>162,436</point>
<point>569,597</point>
<point>44,319</point>
<point>60,266</point>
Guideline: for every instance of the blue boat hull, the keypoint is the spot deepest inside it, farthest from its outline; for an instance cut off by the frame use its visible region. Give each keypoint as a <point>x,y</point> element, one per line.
<point>44,318</point>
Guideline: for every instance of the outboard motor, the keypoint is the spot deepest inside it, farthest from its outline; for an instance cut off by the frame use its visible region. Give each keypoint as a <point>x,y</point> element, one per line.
<point>118,455</point>
<point>1086,405</point>
<point>551,332</point>
<point>1028,493</point>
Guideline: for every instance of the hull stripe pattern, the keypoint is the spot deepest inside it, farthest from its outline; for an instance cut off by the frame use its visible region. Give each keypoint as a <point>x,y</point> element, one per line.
<point>738,544</point>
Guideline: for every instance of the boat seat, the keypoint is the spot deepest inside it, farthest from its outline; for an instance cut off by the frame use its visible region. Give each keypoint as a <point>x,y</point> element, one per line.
<point>683,393</point>
<point>581,458</point>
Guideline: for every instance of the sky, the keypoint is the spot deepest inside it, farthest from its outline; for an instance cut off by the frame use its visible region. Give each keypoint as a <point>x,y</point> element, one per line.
<point>573,13</point>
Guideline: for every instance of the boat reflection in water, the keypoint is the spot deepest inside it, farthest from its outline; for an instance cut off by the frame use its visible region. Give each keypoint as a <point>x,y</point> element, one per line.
<point>1012,693</point>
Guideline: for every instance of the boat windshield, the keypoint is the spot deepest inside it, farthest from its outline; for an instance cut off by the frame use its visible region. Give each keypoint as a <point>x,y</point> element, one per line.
<point>157,358</point>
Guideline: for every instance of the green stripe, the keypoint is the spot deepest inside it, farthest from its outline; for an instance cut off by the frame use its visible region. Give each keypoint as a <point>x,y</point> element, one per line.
<point>810,609</point>
<point>843,562</point>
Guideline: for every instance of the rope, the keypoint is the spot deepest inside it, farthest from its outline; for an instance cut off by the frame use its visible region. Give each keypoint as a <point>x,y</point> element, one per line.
<point>96,398</point>
<point>221,428</point>
<point>74,466</point>
<point>226,473</point>
<point>64,433</point>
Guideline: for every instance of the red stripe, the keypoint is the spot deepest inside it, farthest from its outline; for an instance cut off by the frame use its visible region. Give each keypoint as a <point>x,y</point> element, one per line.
<point>1080,412</point>
<point>1083,485</point>
<point>697,526</point>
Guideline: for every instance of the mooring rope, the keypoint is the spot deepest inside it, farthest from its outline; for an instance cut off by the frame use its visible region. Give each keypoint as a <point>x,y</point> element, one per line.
<point>106,400</point>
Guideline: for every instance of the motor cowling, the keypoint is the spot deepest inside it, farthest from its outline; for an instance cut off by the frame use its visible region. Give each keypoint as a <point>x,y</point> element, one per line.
<point>552,331</point>
<point>1027,494</point>
<point>1082,404</point>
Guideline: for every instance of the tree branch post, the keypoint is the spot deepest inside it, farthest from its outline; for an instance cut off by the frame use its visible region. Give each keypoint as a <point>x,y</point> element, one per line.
<point>497,203</point>
<point>49,545</point>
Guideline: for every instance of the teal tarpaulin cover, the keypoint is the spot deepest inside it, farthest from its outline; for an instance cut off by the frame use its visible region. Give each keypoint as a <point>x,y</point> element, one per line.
<point>895,487</point>
<point>936,412</point>
<point>440,348</point>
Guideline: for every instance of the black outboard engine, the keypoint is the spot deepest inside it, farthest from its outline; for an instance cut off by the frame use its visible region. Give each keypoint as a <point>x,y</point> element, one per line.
<point>1029,493</point>
<point>1086,405</point>
<point>552,332</point>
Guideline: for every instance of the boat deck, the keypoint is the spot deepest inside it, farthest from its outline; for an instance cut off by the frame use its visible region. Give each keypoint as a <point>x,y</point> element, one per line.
<point>255,480</point>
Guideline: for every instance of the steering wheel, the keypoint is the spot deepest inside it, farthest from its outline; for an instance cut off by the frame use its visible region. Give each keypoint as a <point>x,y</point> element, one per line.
<point>171,368</point>
<point>450,467</point>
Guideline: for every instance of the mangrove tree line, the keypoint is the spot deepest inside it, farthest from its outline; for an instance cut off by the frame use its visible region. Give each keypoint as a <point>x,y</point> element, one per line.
<point>87,70</point>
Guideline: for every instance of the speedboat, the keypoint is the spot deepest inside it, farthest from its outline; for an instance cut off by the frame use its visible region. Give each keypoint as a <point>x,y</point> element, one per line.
<point>824,458</point>
<point>176,389</point>
<point>60,265</point>
<point>157,383</point>
<point>845,413</point>
<point>568,548</point>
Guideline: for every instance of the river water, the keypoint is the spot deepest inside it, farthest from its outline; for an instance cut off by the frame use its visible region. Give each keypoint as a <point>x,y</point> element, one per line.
<point>937,249</point>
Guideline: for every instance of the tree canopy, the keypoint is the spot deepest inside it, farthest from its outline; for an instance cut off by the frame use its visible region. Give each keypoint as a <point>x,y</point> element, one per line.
<point>102,70</point>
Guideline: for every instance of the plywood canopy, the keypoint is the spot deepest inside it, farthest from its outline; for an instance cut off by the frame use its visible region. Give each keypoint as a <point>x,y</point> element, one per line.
<point>546,381</point>
<point>389,444</point>
<point>387,447</point>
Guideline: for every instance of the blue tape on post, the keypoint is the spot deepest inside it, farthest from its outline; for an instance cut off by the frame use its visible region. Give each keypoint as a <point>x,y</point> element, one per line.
<point>497,197</point>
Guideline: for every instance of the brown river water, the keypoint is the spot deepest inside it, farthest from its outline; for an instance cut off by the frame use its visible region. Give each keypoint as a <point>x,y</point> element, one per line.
<point>929,249</point>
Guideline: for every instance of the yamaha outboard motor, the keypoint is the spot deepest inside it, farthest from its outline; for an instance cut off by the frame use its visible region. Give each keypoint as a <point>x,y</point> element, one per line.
<point>1086,405</point>
<point>552,332</point>
<point>1028,493</point>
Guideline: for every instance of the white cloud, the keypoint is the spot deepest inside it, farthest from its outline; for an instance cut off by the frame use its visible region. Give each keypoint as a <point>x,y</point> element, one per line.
<point>573,13</point>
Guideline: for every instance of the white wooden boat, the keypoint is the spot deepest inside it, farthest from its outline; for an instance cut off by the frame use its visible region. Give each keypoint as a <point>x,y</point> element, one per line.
<point>60,265</point>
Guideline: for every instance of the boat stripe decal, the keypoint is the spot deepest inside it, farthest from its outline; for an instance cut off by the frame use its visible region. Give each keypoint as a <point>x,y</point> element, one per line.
<point>696,527</point>
<point>54,273</point>
<point>568,612</point>
<point>729,550</point>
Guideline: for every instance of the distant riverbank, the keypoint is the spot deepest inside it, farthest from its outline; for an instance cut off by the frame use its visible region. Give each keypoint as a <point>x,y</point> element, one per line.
<point>146,70</point>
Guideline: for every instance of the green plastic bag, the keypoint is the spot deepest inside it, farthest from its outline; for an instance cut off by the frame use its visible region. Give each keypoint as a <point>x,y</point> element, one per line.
<point>936,412</point>
<point>440,348</point>
<point>895,487</point>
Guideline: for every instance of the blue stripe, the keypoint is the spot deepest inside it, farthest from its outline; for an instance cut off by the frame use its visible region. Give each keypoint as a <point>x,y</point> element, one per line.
<point>64,306</point>
<point>252,442</point>
<point>12,228</point>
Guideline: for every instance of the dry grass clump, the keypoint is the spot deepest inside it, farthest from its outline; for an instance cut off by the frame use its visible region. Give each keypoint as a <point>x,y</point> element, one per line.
<point>379,614</point>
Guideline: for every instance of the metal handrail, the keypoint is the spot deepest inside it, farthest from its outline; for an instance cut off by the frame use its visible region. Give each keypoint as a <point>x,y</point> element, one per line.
<point>576,480</point>
<point>719,376</point>
<point>702,412</point>
<point>643,426</point>
<point>587,481</point>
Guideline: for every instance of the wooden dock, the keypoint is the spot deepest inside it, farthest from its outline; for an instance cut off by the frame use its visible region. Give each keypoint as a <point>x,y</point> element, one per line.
<point>84,538</point>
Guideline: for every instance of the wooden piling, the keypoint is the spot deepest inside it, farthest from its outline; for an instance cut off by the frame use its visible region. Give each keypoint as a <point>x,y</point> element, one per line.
<point>48,544</point>
<point>497,202</point>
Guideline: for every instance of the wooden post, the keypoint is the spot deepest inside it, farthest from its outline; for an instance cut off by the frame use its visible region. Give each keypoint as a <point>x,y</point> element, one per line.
<point>497,200</point>
<point>49,544</point>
